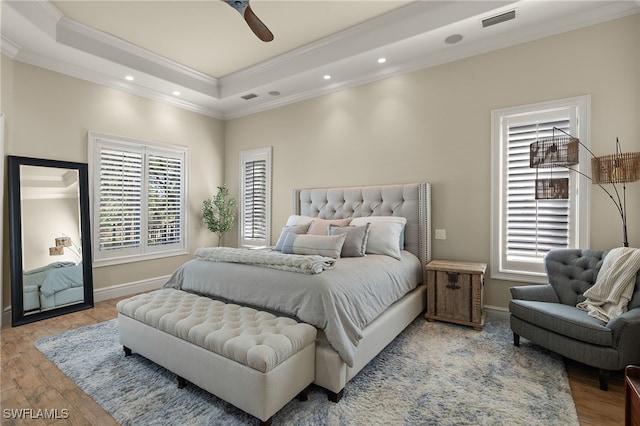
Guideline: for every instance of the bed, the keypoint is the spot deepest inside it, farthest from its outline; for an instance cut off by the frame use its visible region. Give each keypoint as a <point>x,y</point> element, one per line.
<point>358,304</point>
<point>53,285</point>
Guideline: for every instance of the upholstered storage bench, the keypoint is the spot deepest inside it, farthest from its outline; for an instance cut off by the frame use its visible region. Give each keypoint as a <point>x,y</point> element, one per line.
<point>251,359</point>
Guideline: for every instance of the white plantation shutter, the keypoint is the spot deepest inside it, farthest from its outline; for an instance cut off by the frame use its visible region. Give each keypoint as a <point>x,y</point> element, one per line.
<point>255,204</point>
<point>524,229</point>
<point>139,199</point>
<point>533,226</point>
<point>120,193</point>
<point>164,210</point>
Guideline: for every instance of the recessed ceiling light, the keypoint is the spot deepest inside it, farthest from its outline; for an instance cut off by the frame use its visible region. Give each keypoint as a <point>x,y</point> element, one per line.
<point>453,39</point>
<point>327,77</point>
<point>176,93</point>
<point>382,60</point>
<point>129,77</point>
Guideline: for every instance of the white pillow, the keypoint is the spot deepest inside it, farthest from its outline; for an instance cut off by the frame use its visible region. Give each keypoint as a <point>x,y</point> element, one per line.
<point>296,219</point>
<point>322,245</point>
<point>384,234</point>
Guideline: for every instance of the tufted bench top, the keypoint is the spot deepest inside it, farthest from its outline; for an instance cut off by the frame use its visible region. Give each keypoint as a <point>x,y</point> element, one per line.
<point>257,339</point>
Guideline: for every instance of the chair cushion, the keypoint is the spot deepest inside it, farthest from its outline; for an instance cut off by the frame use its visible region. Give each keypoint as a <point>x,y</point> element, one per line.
<point>563,319</point>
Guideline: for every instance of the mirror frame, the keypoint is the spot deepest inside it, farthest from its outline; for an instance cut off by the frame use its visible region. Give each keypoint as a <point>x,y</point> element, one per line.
<point>15,235</point>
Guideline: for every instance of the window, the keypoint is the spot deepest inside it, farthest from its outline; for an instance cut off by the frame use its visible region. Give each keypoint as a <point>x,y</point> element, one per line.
<point>525,229</point>
<point>138,201</point>
<point>255,192</point>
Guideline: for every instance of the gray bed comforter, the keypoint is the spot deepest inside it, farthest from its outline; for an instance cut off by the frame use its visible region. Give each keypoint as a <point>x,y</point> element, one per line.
<point>340,301</point>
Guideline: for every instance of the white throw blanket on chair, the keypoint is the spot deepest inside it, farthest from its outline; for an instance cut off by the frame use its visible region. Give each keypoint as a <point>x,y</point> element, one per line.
<point>613,289</point>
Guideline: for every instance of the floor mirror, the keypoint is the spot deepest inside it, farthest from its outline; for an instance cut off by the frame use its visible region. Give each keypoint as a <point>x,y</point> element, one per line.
<point>49,232</point>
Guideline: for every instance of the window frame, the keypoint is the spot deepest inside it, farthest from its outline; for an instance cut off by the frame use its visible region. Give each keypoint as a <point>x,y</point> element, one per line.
<point>245,157</point>
<point>532,271</point>
<point>96,141</point>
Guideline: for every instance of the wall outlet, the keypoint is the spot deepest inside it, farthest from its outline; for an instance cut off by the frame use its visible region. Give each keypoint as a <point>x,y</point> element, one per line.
<point>441,234</point>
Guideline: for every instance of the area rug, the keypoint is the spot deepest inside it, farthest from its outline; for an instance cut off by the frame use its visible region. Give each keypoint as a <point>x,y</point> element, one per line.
<point>434,373</point>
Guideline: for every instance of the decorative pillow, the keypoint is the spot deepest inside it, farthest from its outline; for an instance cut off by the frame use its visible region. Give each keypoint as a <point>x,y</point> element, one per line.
<point>322,245</point>
<point>321,226</point>
<point>295,229</point>
<point>356,242</point>
<point>384,235</point>
<point>296,219</point>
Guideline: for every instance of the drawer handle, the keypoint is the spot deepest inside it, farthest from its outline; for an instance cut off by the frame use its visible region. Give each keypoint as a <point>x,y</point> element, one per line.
<point>453,280</point>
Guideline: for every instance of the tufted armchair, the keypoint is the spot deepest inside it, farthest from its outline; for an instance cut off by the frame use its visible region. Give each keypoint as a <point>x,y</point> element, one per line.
<point>547,315</point>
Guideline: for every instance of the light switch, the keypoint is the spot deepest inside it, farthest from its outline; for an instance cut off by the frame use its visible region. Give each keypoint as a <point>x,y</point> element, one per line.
<point>441,234</point>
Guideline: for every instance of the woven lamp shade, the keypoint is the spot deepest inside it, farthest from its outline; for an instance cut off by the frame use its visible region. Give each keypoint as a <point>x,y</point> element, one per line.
<point>616,168</point>
<point>552,189</point>
<point>555,151</point>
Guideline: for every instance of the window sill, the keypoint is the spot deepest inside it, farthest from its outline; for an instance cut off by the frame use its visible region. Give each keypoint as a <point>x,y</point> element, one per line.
<point>520,276</point>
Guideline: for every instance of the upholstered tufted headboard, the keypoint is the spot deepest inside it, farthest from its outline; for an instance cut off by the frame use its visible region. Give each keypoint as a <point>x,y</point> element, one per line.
<point>412,200</point>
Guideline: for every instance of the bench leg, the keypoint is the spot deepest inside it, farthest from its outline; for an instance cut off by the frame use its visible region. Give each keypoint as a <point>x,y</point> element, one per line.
<point>335,396</point>
<point>181,382</point>
<point>127,351</point>
<point>304,395</point>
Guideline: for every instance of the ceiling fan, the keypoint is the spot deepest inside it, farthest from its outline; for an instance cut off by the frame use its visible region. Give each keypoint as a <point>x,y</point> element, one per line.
<point>256,25</point>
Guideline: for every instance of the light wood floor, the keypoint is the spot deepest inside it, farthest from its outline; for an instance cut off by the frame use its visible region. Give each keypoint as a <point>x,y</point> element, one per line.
<point>30,380</point>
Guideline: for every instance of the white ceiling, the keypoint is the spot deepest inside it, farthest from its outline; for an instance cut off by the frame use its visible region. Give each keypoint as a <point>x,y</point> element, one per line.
<point>204,49</point>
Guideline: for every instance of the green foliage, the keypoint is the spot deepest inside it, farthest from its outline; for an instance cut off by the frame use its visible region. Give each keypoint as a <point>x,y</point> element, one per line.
<point>219,212</point>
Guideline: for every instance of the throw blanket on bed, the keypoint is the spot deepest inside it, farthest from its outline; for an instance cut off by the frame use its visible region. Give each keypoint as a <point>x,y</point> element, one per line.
<point>613,289</point>
<point>306,264</point>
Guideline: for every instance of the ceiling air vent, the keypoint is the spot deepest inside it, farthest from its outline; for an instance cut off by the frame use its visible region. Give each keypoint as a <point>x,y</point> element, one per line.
<point>498,19</point>
<point>249,96</point>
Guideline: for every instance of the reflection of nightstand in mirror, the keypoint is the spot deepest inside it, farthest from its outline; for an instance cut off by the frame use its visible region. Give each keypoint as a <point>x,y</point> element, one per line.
<point>455,292</point>
<point>632,396</point>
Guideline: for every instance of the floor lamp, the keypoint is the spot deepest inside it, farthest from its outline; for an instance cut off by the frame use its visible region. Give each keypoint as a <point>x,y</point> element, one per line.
<point>562,151</point>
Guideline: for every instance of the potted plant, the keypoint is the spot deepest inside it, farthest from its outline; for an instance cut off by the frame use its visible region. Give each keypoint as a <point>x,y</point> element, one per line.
<point>219,213</point>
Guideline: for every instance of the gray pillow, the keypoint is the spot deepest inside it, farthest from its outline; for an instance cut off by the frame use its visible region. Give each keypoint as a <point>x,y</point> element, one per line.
<point>321,245</point>
<point>355,244</point>
<point>294,229</point>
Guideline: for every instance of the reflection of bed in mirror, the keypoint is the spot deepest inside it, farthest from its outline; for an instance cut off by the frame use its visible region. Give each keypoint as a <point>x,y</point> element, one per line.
<point>49,229</point>
<point>54,285</point>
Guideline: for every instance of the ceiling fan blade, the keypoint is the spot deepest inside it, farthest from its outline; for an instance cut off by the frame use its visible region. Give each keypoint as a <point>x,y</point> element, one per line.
<point>256,25</point>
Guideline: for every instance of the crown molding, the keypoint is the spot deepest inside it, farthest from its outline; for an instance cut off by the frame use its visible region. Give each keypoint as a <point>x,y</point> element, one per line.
<point>77,35</point>
<point>9,48</point>
<point>93,76</point>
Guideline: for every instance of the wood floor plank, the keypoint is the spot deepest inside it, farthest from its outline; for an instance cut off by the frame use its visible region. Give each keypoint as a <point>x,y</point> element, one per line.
<point>28,378</point>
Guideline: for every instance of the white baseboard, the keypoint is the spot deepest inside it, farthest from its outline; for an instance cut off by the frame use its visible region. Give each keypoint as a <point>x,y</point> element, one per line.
<point>127,289</point>
<point>6,316</point>
<point>120,290</point>
<point>497,312</point>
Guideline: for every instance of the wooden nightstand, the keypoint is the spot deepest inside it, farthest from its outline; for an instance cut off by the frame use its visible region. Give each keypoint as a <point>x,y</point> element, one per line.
<point>455,292</point>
